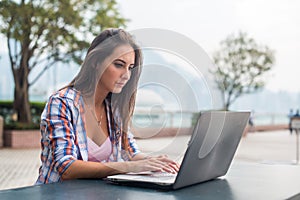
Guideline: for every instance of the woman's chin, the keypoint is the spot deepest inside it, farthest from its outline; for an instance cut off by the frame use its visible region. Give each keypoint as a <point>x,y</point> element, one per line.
<point>117,90</point>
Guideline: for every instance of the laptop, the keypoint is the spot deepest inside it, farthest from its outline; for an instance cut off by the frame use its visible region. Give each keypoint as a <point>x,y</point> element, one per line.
<point>210,150</point>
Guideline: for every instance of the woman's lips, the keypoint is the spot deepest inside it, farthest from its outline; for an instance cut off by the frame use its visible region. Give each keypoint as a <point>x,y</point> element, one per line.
<point>120,84</point>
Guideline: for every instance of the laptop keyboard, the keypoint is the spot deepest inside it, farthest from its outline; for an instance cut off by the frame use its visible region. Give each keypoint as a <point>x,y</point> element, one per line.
<point>154,177</point>
<point>162,174</point>
<point>159,177</point>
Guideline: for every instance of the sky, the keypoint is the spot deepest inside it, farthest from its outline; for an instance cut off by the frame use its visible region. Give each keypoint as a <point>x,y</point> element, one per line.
<point>275,23</point>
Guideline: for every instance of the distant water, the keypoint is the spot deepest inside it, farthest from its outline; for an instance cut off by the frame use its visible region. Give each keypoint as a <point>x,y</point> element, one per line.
<point>10,97</point>
<point>270,118</point>
<point>167,119</point>
<point>5,97</point>
<point>178,119</point>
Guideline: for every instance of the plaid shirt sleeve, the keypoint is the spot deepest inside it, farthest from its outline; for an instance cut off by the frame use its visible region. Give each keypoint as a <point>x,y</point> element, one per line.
<point>58,139</point>
<point>133,147</point>
<point>61,136</point>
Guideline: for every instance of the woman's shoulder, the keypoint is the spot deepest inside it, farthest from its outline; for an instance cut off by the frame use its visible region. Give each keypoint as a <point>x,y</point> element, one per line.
<point>67,93</point>
<point>64,99</point>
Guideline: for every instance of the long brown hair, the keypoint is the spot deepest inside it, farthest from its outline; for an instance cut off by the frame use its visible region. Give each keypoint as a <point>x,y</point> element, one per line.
<point>87,78</point>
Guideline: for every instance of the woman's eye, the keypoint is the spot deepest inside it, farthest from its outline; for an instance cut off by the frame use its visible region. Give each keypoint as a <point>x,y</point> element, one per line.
<point>131,67</point>
<point>118,65</point>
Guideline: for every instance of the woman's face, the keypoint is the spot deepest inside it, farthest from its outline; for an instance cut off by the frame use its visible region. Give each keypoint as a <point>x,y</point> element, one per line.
<point>118,69</point>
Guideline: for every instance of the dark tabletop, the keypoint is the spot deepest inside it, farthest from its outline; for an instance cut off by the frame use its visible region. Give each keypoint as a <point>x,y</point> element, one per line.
<point>243,181</point>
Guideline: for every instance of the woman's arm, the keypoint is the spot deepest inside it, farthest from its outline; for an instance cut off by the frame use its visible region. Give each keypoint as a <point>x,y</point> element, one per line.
<point>87,169</point>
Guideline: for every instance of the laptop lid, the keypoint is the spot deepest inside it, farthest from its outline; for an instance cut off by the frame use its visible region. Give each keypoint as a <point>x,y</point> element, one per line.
<point>212,146</point>
<point>210,151</point>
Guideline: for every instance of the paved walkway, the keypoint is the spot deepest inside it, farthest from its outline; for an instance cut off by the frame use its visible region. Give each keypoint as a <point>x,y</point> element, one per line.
<point>19,167</point>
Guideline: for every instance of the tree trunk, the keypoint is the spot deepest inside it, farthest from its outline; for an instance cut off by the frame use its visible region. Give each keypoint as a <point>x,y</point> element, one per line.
<point>226,106</point>
<point>21,97</point>
<point>225,101</point>
<point>22,105</point>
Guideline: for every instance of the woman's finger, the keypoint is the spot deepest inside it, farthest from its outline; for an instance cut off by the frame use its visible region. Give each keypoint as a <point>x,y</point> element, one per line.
<point>174,167</point>
<point>167,160</point>
<point>162,163</point>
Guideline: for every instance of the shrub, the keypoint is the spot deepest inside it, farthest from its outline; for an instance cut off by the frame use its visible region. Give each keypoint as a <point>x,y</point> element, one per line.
<point>7,111</point>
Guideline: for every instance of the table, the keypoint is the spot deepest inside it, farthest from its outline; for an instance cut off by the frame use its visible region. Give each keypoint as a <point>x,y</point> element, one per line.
<point>243,181</point>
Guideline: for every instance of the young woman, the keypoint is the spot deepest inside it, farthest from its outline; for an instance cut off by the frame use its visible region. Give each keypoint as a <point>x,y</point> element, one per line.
<point>84,126</point>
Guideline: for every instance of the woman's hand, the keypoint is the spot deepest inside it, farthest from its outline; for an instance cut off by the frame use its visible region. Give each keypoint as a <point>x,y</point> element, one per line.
<point>159,163</point>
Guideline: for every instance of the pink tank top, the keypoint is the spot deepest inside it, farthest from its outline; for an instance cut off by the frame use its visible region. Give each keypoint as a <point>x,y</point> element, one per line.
<point>99,153</point>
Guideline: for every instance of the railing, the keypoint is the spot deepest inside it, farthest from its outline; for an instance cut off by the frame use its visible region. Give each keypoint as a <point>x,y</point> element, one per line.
<point>167,119</point>
<point>270,118</point>
<point>173,119</point>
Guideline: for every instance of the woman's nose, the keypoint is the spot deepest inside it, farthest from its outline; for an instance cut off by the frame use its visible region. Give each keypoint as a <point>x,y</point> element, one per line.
<point>126,74</point>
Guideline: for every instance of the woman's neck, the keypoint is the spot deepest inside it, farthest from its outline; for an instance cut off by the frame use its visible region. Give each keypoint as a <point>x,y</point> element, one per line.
<point>100,96</point>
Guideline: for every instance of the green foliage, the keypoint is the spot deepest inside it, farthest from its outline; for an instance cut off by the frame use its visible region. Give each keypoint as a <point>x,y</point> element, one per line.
<point>195,118</point>
<point>40,33</point>
<point>7,111</point>
<point>54,30</point>
<point>21,126</point>
<point>241,67</point>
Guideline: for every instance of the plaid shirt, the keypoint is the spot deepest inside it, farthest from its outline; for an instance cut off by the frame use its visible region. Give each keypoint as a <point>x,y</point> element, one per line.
<point>64,138</point>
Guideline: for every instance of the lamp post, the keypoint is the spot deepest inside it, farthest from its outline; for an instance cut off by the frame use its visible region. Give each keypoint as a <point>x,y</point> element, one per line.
<point>296,126</point>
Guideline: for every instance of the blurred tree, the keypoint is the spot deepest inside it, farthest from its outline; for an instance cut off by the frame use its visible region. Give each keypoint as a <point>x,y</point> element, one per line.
<point>241,67</point>
<point>40,33</point>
